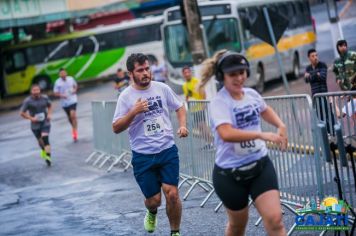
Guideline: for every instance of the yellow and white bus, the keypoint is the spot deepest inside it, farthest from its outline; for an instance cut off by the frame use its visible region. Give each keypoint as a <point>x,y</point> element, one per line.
<point>226,25</point>
<point>86,55</point>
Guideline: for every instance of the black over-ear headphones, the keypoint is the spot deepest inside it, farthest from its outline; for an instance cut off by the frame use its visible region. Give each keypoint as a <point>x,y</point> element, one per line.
<point>219,74</point>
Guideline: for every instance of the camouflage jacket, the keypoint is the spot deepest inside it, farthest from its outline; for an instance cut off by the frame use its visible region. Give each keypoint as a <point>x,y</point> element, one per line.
<point>345,70</point>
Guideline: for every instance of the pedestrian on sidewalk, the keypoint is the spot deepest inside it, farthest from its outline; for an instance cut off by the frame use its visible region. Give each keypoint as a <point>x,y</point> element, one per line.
<point>192,92</point>
<point>316,74</point>
<point>242,166</point>
<point>143,108</point>
<point>122,80</point>
<point>159,71</point>
<point>345,66</point>
<point>66,88</point>
<point>38,109</point>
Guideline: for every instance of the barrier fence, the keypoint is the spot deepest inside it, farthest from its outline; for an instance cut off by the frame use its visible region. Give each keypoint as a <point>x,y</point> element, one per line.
<point>305,171</point>
<point>109,148</point>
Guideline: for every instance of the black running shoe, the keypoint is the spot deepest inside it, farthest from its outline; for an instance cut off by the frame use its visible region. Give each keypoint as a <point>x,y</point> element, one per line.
<point>48,163</point>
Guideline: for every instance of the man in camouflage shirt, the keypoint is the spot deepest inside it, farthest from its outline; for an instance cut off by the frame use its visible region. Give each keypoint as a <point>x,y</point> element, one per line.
<point>345,66</point>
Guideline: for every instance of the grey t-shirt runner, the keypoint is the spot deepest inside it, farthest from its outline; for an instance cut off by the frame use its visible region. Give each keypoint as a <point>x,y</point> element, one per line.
<point>37,107</point>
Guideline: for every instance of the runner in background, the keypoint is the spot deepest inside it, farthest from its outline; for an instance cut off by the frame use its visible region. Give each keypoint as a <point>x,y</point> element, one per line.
<point>66,88</point>
<point>38,109</point>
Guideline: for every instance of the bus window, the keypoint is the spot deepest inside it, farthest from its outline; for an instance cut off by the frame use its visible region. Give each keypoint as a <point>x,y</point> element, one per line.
<point>307,14</point>
<point>36,54</point>
<point>83,46</point>
<point>292,15</point>
<point>15,62</point>
<point>299,15</point>
<point>177,46</point>
<point>283,9</point>
<point>143,34</point>
<point>108,41</point>
<point>222,34</point>
<point>58,51</point>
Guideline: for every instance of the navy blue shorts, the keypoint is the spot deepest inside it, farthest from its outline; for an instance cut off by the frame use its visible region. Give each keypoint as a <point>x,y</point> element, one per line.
<point>151,170</point>
<point>69,108</point>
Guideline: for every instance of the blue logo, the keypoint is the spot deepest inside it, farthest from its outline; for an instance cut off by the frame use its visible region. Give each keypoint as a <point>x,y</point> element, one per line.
<point>330,214</point>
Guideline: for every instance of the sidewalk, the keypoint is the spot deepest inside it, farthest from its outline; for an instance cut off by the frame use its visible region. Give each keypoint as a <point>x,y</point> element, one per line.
<point>11,103</point>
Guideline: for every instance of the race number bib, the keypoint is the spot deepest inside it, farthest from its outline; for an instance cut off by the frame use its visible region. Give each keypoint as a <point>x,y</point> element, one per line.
<point>248,147</point>
<point>40,116</point>
<point>153,126</point>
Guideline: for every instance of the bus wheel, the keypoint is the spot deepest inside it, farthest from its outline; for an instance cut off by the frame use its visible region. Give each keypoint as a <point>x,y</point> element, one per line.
<point>260,77</point>
<point>43,82</point>
<point>296,67</point>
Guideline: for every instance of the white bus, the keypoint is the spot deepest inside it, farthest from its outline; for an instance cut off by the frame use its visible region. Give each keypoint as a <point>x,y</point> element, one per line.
<point>86,55</point>
<point>227,25</point>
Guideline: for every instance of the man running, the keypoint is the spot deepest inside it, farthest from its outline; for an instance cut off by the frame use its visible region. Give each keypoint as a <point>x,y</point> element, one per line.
<point>38,109</point>
<point>143,108</point>
<point>66,88</point>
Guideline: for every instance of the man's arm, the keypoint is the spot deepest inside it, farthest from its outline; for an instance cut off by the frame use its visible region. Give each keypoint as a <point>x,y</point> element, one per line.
<point>182,120</point>
<point>337,74</point>
<point>123,123</point>
<point>323,72</point>
<point>272,118</point>
<point>75,86</point>
<point>57,93</point>
<point>27,116</point>
<point>49,112</point>
<point>307,75</point>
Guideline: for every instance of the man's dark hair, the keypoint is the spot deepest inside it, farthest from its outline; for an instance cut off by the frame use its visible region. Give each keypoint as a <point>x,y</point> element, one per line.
<point>133,58</point>
<point>119,70</point>
<point>310,51</point>
<point>61,69</point>
<point>185,68</point>
<point>35,85</point>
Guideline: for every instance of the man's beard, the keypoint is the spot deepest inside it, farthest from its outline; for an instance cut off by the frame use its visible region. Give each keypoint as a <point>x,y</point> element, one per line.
<point>141,83</point>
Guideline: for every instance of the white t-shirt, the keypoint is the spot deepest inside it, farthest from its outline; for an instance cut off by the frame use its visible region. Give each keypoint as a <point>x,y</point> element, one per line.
<point>158,72</point>
<point>65,87</point>
<point>350,108</point>
<point>150,132</point>
<point>242,114</point>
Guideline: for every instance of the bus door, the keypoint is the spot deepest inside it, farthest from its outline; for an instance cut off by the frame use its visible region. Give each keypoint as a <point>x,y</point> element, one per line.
<point>17,78</point>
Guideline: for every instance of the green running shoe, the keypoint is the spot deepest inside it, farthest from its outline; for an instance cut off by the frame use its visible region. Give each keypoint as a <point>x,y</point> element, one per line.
<point>150,222</point>
<point>43,154</point>
<point>175,234</point>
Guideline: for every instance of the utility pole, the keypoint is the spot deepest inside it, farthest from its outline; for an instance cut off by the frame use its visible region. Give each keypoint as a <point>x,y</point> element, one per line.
<point>336,30</point>
<point>191,19</point>
<point>197,42</point>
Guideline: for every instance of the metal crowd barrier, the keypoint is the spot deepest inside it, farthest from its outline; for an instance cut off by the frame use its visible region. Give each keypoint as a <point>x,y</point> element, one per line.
<point>337,110</point>
<point>196,152</point>
<point>301,170</point>
<point>109,148</point>
<point>298,169</point>
<point>304,171</point>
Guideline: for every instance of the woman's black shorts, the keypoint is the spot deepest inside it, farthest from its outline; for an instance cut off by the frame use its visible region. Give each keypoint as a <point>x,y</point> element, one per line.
<point>234,193</point>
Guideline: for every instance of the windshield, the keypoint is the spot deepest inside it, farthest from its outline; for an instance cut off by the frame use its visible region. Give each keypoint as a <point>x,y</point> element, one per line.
<point>221,34</point>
